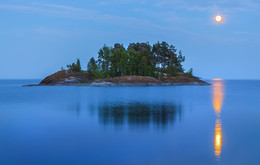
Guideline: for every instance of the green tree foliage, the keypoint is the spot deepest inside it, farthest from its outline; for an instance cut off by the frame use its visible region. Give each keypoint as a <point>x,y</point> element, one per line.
<point>140,59</point>
<point>93,69</point>
<point>179,62</point>
<point>75,67</point>
<point>172,71</point>
<point>190,73</point>
<point>104,60</point>
<point>119,61</point>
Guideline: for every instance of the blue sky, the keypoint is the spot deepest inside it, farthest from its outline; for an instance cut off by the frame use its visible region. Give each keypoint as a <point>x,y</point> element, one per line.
<point>39,37</point>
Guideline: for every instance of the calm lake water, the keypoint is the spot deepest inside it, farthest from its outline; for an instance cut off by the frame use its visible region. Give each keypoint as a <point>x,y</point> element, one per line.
<point>218,124</point>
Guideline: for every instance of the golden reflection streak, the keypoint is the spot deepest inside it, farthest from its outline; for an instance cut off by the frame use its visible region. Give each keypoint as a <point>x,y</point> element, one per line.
<point>218,94</point>
<point>218,138</point>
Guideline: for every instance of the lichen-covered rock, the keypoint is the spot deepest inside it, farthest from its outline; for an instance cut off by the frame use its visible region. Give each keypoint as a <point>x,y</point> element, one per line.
<point>182,79</point>
<point>149,81</point>
<point>66,77</point>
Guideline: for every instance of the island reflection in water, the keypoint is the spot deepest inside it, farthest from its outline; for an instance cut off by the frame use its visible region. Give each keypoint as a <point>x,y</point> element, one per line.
<point>139,114</point>
<point>218,95</point>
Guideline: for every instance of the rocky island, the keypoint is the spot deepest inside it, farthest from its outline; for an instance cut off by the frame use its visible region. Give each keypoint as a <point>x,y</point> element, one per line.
<point>139,65</point>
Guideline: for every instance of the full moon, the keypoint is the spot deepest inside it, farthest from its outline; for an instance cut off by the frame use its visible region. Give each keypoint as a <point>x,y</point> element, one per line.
<point>218,18</point>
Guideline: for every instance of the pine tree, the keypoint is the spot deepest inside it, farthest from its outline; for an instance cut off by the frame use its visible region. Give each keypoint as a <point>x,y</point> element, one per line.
<point>92,69</point>
<point>75,67</point>
<point>78,66</point>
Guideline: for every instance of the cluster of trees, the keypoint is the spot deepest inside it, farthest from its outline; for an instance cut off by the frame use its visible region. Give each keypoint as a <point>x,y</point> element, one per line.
<point>140,59</point>
<point>75,67</point>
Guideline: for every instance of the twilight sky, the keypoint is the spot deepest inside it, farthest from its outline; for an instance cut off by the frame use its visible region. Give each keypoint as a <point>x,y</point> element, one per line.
<point>37,38</point>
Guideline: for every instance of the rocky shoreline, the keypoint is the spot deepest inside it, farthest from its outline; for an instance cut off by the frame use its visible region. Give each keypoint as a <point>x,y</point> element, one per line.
<point>109,84</point>
<point>70,78</point>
